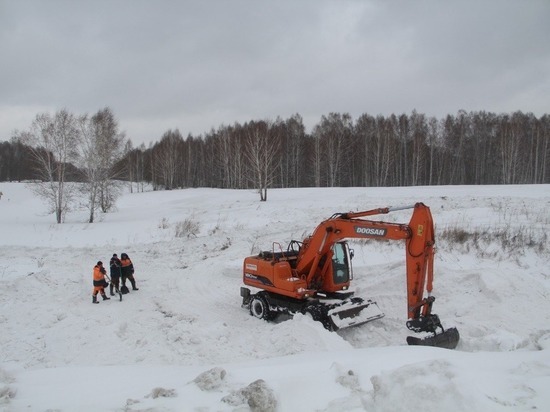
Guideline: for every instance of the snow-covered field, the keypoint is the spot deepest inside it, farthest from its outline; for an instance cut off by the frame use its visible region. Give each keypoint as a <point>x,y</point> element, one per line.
<point>184,343</point>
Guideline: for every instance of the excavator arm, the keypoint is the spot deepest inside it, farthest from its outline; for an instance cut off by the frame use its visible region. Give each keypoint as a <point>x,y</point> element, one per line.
<point>419,239</point>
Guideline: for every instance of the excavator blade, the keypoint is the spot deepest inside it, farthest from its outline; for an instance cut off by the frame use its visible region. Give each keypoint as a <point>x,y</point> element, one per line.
<point>353,313</point>
<point>447,339</point>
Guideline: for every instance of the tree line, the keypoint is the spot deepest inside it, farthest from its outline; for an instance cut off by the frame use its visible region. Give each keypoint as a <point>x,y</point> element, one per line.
<point>406,150</point>
<point>397,150</point>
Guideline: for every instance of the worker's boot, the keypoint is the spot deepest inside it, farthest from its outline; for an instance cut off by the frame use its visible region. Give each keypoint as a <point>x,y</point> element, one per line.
<point>104,296</point>
<point>134,285</point>
<point>94,299</point>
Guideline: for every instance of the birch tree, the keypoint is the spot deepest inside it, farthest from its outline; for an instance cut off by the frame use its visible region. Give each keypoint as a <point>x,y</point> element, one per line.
<point>54,142</point>
<point>262,153</point>
<point>167,157</point>
<point>333,133</point>
<point>102,147</point>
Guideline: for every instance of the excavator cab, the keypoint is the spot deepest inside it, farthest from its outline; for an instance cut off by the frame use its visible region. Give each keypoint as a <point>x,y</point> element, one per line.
<point>339,273</point>
<point>341,263</point>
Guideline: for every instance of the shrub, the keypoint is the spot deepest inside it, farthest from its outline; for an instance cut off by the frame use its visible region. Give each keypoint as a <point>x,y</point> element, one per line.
<point>187,228</point>
<point>164,223</point>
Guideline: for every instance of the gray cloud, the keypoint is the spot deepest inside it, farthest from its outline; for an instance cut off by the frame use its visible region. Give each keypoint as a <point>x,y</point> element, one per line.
<point>196,65</point>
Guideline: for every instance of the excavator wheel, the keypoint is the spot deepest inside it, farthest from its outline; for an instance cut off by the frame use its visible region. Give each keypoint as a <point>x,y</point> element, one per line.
<point>259,308</point>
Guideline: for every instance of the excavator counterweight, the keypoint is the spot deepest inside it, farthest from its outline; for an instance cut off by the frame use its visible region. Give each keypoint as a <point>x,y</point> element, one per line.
<point>313,276</point>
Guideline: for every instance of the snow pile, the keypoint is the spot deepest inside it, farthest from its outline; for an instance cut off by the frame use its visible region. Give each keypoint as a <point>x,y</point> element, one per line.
<point>183,341</point>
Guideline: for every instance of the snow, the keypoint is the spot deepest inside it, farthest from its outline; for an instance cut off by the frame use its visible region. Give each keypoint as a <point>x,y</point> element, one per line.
<point>184,343</point>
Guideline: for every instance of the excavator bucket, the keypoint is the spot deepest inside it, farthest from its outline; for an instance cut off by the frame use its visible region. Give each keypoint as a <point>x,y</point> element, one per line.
<point>430,323</point>
<point>447,339</point>
<point>353,312</point>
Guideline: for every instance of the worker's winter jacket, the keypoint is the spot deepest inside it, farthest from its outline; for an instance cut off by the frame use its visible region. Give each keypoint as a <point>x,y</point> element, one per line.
<point>99,276</point>
<point>126,266</point>
<point>115,267</point>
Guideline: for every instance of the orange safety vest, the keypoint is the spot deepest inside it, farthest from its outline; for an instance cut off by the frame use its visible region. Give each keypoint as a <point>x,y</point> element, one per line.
<point>125,262</point>
<point>97,273</point>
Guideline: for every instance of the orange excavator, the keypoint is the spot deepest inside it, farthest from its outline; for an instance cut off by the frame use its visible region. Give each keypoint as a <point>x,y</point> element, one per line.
<point>313,276</point>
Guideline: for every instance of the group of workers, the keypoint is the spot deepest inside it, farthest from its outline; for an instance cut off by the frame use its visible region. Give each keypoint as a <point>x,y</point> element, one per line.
<point>120,269</point>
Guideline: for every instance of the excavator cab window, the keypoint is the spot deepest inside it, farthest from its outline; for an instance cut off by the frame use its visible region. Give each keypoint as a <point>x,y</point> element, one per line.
<point>340,263</point>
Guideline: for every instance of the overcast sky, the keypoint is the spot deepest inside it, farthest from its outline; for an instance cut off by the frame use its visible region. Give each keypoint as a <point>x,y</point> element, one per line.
<point>195,65</point>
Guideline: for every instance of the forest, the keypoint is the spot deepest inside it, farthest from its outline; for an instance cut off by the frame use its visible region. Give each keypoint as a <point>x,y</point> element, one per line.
<point>475,148</point>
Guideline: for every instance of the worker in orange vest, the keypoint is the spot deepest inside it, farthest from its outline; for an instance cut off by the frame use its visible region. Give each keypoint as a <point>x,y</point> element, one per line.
<point>99,282</point>
<point>127,268</point>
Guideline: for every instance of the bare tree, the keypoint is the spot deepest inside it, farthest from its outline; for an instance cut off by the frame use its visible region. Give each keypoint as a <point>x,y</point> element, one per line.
<point>168,160</point>
<point>90,164</point>
<point>139,165</point>
<point>262,152</point>
<point>128,165</point>
<point>334,135</point>
<point>132,165</point>
<point>101,149</point>
<point>54,142</point>
<point>433,133</point>
<point>295,131</point>
<point>419,133</point>
<point>376,141</point>
<point>542,150</point>
<point>229,156</point>
<point>317,156</point>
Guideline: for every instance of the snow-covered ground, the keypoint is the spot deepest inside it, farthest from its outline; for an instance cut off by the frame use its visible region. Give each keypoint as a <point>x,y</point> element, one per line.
<point>184,343</point>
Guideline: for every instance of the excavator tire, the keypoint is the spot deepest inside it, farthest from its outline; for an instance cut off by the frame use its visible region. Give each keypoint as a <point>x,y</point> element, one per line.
<point>259,308</point>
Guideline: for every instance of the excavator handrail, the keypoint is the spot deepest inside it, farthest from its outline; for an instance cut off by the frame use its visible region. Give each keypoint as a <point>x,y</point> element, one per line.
<point>396,208</point>
<point>372,212</point>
